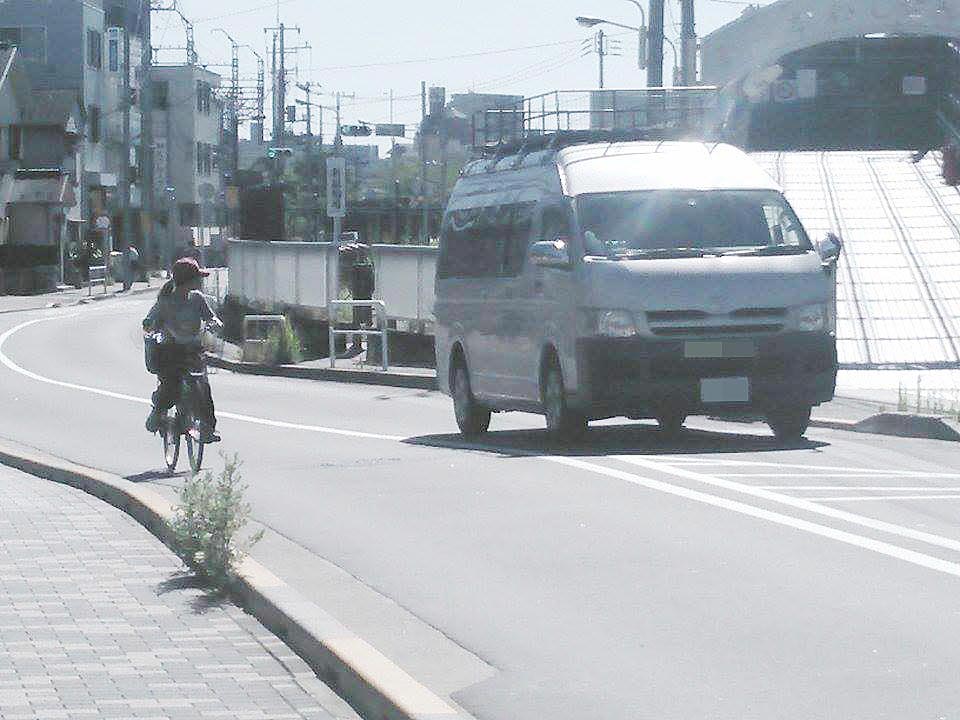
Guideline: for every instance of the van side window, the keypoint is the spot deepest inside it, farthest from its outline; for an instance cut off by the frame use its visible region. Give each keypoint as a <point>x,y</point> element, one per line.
<point>485,242</point>
<point>555,223</point>
<point>521,222</point>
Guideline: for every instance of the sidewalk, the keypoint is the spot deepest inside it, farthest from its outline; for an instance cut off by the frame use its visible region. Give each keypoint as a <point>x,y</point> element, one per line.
<point>71,296</point>
<point>99,619</point>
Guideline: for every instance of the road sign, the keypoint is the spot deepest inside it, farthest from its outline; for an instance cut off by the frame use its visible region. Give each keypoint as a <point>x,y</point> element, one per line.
<point>356,130</point>
<point>207,191</point>
<point>336,187</point>
<point>390,129</point>
<point>102,223</point>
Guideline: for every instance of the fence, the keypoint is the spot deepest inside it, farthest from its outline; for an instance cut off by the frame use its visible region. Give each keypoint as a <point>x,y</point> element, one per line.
<point>270,276</point>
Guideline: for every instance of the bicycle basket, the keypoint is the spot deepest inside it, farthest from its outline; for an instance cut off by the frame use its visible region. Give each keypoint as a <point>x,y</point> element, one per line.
<point>151,353</point>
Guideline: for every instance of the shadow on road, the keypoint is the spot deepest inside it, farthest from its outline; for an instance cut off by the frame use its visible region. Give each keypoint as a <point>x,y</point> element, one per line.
<point>632,439</point>
<point>155,475</point>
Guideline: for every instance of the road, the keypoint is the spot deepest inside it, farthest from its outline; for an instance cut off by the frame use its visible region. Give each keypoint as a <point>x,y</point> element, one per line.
<point>720,575</point>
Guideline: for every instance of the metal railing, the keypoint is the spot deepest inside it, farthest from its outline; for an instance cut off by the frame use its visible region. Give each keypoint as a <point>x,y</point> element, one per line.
<point>99,274</point>
<point>381,309</point>
<point>661,112</point>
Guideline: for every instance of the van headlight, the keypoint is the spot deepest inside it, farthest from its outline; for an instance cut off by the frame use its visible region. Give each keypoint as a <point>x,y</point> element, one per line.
<point>811,318</point>
<point>614,323</point>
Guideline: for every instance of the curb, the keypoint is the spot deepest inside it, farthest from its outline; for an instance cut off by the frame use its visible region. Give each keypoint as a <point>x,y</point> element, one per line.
<point>925,427</point>
<point>354,669</point>
<point>367,377</point>
<point>87,299</point>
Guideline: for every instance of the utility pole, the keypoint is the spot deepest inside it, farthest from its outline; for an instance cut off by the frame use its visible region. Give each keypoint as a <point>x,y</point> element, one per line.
<point>311,170</point>
<point>394,183</point>
<point>688,46</point>
<point>601,52</point>
<point>146,132</point>
<point>424,210</point>
<point>280,51</point>
<point>125,160</point>
<point>655,45</point>
<point>277,138</point>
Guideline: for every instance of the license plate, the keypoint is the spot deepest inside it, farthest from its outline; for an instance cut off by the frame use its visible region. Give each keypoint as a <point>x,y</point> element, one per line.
<point>719,349</point>
<point>725,390</point>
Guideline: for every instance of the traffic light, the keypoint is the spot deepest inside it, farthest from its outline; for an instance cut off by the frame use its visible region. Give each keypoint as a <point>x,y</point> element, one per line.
<point>356,130</point>
<point>276,152</point>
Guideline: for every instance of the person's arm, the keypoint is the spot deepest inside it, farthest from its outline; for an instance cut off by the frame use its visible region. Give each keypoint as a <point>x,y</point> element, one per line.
<point>209,317</point>
<point>150,321</point>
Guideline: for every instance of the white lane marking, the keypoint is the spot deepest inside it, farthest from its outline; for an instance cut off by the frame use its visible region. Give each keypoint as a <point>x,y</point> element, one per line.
<point>11,365</point>
<point>848,476</point>
<point>884,497</point>
<point>891,488</point>
<point>810,469</point>
<point>794,502</point>
<point>878,546</point>
<point>883,548</point>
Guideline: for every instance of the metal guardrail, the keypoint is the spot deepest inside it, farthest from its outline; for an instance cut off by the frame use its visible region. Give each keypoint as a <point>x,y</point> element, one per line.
<point>98,275</point>
<point>383,332</point>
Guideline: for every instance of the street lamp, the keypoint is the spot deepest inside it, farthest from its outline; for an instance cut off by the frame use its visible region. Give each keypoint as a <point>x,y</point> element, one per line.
<point>676,61</point>
<point>641,31</point>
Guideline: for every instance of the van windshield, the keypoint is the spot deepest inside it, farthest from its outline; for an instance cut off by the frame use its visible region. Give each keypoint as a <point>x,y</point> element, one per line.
<point>690,222</point>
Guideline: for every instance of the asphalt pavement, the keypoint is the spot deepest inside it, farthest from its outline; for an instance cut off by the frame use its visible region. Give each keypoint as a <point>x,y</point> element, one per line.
<point>718,575</point>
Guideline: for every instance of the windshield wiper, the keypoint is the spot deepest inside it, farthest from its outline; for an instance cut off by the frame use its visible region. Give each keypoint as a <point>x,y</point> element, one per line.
<point>769,250</point>
<point>661,253</point>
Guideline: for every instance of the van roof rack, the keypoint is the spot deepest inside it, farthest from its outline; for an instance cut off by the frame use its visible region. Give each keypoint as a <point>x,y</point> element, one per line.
<point>566,138</point>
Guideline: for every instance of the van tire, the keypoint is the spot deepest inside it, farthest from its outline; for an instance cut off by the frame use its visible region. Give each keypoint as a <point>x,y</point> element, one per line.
<point>789,423</point>
<point>472,418</point>
<point>563,423</point>
<point>671,422</point>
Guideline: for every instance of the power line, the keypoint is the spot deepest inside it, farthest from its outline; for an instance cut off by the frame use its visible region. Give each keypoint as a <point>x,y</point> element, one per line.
<point>269,6</point>
<point>482,53</point>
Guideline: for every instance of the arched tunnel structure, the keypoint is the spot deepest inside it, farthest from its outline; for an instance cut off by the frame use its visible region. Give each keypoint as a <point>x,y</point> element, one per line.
<point>842,100</point>
<point>839,74</point>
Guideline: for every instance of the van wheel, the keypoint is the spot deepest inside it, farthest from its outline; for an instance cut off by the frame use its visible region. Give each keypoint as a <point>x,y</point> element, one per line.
<point>789,424</point>
<point>671,422</point>
<point>562,422</point>
<point>472,418</point>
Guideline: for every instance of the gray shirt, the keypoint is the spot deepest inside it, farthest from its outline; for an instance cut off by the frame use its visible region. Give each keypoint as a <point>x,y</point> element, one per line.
<point>182,317</point>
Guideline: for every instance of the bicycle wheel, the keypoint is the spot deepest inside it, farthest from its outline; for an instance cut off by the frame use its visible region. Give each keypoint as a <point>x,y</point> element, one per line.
<point>194,446</point>
<point>171,441</point>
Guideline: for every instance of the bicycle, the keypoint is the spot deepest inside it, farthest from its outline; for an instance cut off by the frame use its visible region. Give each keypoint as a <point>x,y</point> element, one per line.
<point>181,421</point>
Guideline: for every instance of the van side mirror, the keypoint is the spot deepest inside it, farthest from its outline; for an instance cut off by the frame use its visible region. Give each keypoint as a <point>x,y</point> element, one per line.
<point>829,249</point>
<point>550,253</point>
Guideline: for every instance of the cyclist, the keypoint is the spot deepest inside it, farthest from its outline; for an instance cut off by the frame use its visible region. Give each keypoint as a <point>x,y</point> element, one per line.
<point>180,313</point>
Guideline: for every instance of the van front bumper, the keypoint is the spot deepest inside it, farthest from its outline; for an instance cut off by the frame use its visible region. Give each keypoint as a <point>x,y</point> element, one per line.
<point>640,377</point>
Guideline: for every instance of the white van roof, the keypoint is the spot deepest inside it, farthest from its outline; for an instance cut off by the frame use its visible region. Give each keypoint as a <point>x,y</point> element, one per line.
<point>627,166</point>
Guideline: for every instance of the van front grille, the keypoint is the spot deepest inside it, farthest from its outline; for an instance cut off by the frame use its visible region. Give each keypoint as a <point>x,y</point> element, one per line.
<point>715,330</point>
<point>699,323</point>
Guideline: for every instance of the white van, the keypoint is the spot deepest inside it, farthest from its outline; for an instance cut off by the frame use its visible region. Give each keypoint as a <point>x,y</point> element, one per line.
<point>637,279</point>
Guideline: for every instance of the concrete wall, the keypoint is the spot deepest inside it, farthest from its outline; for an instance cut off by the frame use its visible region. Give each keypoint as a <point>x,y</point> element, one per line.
<point>277,275</point>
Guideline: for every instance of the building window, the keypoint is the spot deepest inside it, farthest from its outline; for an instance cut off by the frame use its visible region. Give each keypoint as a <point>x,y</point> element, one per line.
<point>113,53</point>
<point>94,49</point>
<point>93,117</point>
<point>161,94</point>
<point>204,94</point>
<point>15,148</point>
<point>30,41</point>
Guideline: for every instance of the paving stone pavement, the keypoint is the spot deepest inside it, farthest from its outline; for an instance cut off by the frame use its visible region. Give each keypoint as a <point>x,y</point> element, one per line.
<point>98,619</point>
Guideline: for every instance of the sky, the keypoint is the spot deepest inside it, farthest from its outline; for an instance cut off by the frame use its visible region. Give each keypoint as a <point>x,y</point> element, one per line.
<point>368,48</point>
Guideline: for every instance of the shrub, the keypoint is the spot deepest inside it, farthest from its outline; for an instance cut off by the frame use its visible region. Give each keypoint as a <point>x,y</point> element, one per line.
<point>209,519</point>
